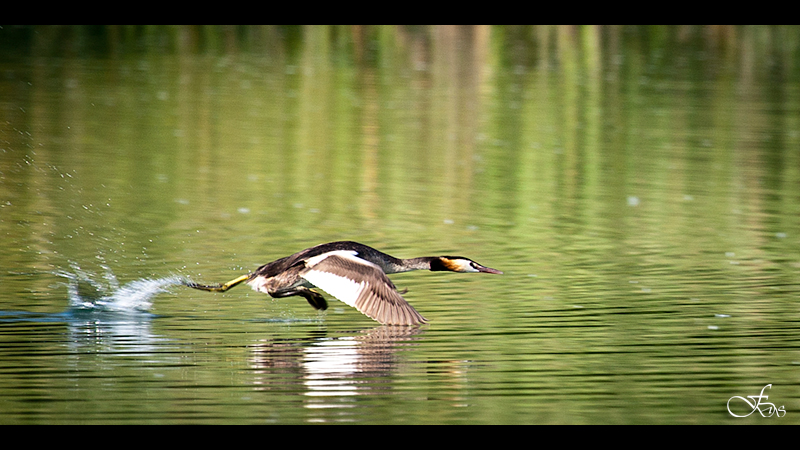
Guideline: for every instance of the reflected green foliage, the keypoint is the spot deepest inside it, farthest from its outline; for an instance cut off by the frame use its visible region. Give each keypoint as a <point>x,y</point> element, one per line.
<point>639,187</point>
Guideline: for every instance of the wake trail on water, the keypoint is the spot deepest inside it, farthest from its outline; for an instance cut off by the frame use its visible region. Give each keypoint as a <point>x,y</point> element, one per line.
<point>88,291</point>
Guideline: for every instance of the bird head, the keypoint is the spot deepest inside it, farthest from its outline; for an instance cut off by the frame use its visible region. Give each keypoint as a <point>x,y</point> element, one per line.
<point>459,264</point>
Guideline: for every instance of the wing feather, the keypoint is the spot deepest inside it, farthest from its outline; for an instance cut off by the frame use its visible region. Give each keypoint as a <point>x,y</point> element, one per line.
<point>362,285</point>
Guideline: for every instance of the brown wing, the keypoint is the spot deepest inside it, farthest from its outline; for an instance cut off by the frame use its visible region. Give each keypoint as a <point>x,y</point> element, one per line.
<point>362,285</point>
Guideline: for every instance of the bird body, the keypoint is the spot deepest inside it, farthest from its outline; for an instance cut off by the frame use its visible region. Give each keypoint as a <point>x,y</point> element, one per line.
<point>354,273</point>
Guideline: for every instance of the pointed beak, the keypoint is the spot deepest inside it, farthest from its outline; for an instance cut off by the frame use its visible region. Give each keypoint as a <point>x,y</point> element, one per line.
<point>488,270</point>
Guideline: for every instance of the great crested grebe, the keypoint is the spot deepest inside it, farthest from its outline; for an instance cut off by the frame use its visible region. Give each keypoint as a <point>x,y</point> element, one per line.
<point>353,273</point>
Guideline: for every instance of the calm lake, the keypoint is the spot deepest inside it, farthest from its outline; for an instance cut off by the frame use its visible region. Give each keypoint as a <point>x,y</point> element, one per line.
<point>638,186</point>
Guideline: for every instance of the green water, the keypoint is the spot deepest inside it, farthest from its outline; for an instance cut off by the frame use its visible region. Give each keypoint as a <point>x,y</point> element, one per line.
<point>639,187</point>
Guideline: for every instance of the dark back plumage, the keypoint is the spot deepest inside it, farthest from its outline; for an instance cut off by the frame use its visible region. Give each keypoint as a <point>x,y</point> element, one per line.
<point>365,252</point>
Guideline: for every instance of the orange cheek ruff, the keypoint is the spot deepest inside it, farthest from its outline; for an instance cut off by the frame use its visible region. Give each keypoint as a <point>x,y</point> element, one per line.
<point>451,265</point>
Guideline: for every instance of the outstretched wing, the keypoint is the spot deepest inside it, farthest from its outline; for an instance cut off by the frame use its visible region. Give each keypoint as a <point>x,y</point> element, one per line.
<point>362,285</point>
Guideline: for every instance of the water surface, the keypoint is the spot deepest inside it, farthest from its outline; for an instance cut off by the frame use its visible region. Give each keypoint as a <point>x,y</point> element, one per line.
<point>639,187</point>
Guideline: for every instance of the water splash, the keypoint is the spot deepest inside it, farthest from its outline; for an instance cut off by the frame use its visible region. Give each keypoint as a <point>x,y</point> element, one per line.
<point>103,315</point>
<point>86,292</point>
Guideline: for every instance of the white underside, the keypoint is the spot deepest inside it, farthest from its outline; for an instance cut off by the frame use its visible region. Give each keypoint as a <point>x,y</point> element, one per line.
<point>344,289</point>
